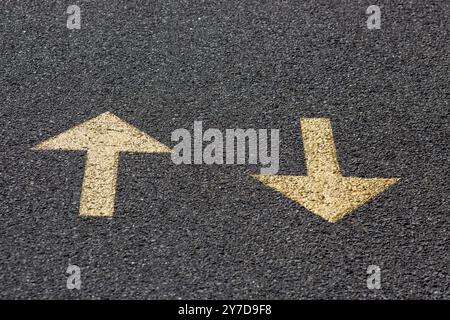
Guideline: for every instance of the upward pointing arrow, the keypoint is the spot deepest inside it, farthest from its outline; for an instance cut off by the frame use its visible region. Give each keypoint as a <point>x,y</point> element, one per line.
<point>103,138</point>
<point>324,190</point>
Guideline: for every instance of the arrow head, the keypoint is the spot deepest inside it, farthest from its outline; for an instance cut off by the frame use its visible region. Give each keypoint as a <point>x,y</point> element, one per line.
<point>105,131</point>
<point>329,197</point>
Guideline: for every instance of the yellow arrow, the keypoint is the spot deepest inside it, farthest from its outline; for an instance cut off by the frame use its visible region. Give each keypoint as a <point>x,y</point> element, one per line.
<point>324,191</point>
<point>103,138</point>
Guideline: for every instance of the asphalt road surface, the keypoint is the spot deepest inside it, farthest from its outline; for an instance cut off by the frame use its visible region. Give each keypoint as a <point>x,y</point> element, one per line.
<point>213,231</point>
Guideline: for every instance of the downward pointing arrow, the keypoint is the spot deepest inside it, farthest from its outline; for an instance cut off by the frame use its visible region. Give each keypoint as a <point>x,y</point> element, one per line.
<point>324,191</point>
<point>103,138</point>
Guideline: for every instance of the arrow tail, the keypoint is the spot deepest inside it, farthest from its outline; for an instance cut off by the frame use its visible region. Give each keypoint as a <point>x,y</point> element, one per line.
<point>99,183</point>
<point>320,150</point>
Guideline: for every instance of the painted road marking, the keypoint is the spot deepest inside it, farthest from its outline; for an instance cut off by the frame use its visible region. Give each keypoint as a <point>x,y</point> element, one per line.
<point>103,138</point>
<point>324,191</point>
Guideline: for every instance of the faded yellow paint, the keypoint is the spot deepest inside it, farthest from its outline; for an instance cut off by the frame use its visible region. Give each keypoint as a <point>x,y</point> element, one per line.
<point>103,137</point>
<point>324,191</point>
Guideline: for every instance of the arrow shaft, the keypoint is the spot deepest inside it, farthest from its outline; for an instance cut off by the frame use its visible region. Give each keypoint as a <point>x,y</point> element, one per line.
<point>99,182</point>
<point>320,150</point>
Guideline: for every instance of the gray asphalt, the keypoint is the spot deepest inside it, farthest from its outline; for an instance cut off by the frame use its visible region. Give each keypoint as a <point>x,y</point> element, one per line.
<point>212,232</point>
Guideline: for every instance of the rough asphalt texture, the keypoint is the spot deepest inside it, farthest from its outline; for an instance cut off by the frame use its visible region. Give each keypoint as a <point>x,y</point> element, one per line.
<point>213,231</point>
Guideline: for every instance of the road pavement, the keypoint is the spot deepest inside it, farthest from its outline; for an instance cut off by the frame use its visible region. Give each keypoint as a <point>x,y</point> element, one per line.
<point>213,231</point>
